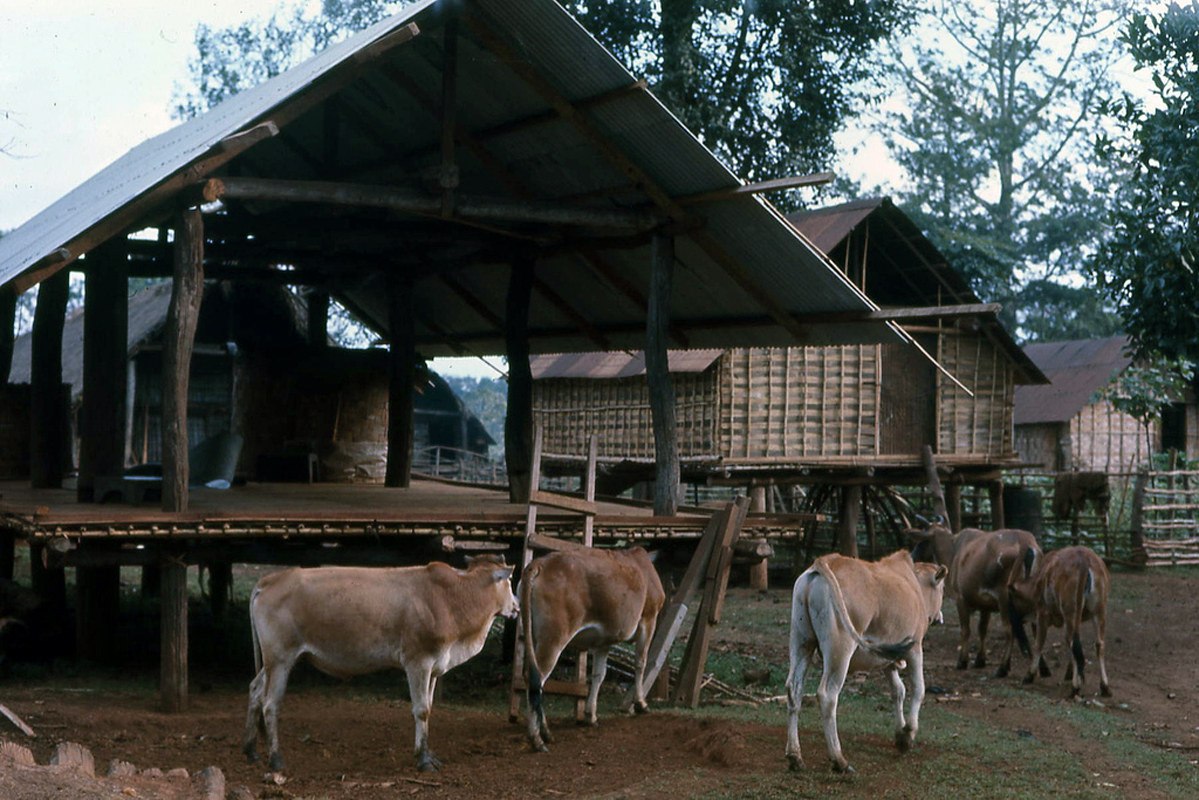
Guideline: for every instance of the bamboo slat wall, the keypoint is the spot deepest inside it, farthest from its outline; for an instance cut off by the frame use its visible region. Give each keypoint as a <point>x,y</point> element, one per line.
<point>978,425</point>
<point>617,412</point>
<point>800,402</point>
<point>1106,440</point>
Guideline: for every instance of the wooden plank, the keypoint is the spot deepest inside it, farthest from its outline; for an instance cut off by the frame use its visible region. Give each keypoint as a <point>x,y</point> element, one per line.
<point>540,541</point>
<point>562,501</point>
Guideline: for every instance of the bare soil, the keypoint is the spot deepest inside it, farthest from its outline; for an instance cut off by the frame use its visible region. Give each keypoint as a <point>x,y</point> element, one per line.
<point>342,741</point>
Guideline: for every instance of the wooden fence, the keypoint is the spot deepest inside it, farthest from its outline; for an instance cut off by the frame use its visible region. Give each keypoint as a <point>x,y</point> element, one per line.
<point>1166,517</point>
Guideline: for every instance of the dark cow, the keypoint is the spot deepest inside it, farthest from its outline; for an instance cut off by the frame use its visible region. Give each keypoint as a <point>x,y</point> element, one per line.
<point>586,599</point>
<point>1070,588</point>
<point>859,615</point>
<point>355,620</point>
<point>983,565</point>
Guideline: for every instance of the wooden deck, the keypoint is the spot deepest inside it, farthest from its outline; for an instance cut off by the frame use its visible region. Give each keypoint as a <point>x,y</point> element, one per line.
<point>337,511</point>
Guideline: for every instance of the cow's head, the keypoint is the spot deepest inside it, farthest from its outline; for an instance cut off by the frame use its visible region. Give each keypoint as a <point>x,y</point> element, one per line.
<point>931,578</point>
<point>502,576</point>
<point>933,544</point>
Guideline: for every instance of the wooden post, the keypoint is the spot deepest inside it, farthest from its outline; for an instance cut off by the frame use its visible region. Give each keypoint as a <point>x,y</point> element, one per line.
<point>187,291</point>
<point>8,325</point>
<point>847,523</point>
<point>759,573</point>
<point>173,677</point>
<point>934,483</point>
<point>995,491</point>
<point>953,504</point>
<point>48,423</point>
<point>105,366</point>
<point>220,579</point>
<point>402,360</point>
<point>716,582</point>
<point>1136,540</point>
<point>657,375</point>
<point>518,421</point>
<point>97,606</point>
<point>318,319</point>
<point>8,546</point>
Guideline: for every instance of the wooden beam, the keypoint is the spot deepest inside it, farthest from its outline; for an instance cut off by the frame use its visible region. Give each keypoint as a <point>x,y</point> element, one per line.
<point>418,202</point>
<point>563,501</point>
<point>468,297</point>
<point>761,187</point>
<point>187,292</point>
<point>133,211</point>
<point>448,175</point>
<point>657,374</point>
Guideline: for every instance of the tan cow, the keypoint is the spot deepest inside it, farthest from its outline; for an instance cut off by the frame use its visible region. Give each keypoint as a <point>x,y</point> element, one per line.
<point>1070,588</point>
<point>860,615</point>
<point>983,565</point>
<point>354,620</point>
<point>589,600</point>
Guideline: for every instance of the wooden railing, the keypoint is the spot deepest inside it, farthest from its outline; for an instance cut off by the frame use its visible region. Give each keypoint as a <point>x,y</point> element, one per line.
<point>1166,516</point>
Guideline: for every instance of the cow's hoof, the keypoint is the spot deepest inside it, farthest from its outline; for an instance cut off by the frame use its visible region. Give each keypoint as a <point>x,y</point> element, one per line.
<point>587,723</point>
<point>538,747</point>
<point>795,763</point>
<point>1028,679</point>
<point>430,763</point>
<point>1045,670</point>
<point>980,662</point>
<point>277,764</point>
<point>251,754</point>
<point>904,740</point>
<point>843,768</point>
<point>1105,690</point>
<point>1001,672</point>
<point>640,708</point>
<point>962,663</point>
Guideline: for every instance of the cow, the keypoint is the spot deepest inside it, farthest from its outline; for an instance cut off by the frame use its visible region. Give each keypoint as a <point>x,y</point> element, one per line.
<point>1070,588</point>
<point>589,600</point>
<point>354,620</point>
<point>983,565</point>
<point>860,615</point>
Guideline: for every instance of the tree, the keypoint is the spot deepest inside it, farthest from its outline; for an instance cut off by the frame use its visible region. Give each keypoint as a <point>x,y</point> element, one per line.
<point>1145,387</point>
<point>993,125</point>
<point>1148,267</point>
<point>764,83</point>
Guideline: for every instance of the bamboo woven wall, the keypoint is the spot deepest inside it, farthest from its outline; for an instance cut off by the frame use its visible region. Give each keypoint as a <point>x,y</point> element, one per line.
<point>982,424</point>
<point>1038,444</point>
<point>783,403</point>
<point>617,412</point>
<point>1106,440</point>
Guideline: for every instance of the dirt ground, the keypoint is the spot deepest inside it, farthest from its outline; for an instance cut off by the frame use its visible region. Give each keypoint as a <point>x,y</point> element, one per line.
<point>342,742</point>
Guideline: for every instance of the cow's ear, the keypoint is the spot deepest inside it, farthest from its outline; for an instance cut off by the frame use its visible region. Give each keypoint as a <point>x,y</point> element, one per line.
<point>918,534</point>
<point>942,571</point>
<point>504,574</point>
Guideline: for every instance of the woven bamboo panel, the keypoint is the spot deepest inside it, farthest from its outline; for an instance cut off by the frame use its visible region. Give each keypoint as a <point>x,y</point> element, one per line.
<point>1108,440</point>
<point>617,412</point>
<point>982,424</point>
<point>799,402</point>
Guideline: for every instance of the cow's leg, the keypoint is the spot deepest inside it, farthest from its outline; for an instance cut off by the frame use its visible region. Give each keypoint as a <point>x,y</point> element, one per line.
<point>964,612</point>
<point>645,634</point>
<point>255,724</point>
<point>598,670</point>
<point>836,667</point>
<point>906,736</point>
<point>1038,663</point>
<point>984,622</point>
<point>538,657</point>
<point>420,687</point>
<point>1077,658</point>
<point>1100,630</point>
<point>802,646</point>
<point>272,698</point>
<point>898,694</point>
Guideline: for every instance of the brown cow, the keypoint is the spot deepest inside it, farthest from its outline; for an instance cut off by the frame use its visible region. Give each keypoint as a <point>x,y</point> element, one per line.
<point>860,615</point>
<point>1070,588</point>
<point>983,565</point>
<point>354,620</point>
<point>589,600</point>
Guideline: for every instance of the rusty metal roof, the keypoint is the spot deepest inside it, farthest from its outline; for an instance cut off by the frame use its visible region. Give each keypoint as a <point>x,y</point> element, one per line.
<point>615,365</point>
<point>1076,370</point>
<point>545,116</point>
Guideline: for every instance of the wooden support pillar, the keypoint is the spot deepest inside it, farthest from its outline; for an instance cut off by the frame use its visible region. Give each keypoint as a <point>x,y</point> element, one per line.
<point>97,606</point>
<point>179,337</point>
<point>8,326</point>
<point>48,423</point>
<point>220,580</point>
<point>995,491</point>
<point>8,546</point>
<point>759,573</point>
<point>953,504</point>
<point>518,421</point>
<point>173,676</point>
<point>847,525</point>
<point>318,319</point>
<point>402,365</point>
<point>657,374</point>
<point>105,366</point>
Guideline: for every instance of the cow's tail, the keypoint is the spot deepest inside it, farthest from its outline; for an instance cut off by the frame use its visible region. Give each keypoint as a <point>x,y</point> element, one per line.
<point>534,677</point>
<point>254,634</point>
<point>1085,587</point>
<point>888,651</point>
<point>1028,565</point>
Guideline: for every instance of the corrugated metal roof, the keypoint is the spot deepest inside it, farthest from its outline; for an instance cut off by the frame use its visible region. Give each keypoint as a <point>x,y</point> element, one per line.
<point>545,115</point>
<point>1077,370</point>
<point>615,365</point>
